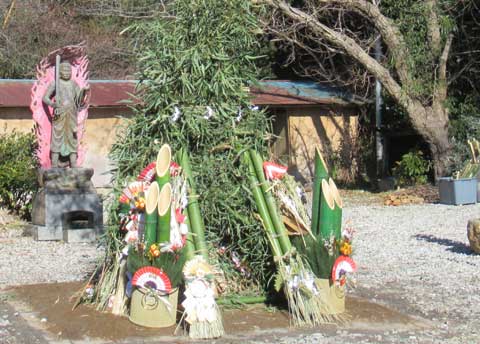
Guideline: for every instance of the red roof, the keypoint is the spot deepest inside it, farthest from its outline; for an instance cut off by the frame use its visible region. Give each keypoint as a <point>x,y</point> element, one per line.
<point>16,93</point>
<point>114,93</point>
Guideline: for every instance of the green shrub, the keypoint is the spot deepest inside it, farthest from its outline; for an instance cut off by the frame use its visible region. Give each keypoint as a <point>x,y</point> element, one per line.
<point>18,179</point>
<point>412,169</point>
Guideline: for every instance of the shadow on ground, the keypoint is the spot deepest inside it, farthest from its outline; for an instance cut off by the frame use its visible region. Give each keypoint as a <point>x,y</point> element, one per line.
<point>452,245</point>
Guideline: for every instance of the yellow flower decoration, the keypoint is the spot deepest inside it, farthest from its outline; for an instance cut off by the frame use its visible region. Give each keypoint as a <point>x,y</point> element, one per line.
<point>346,249</point>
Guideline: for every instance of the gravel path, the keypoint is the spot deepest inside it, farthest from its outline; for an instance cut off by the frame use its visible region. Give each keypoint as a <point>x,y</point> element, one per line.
<point>416,260</point>
<point>412,258</point>
<point>25,261</point>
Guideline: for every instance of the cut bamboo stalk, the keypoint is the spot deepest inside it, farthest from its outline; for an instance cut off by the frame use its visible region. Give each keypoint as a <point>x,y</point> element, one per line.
<point>262,207</point>
<point>321,173</point>
<point>151,215</point>
<point>189,242</point>
<point>241,300</point>
<point>164,213</point>
<point>162,166</point>
<point>327,212</point>
<point>338,208</point>
<point>196,221</point>
<point>277,222</point>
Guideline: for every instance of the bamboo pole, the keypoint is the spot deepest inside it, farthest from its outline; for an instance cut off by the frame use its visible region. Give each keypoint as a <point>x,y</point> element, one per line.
<point>151,215</point>
<point>278,225</point>
<point>189,249</point>
<point>195,244</point>
<point>327,212</point>
<point>338,208</point>
<point>193,209</point>
<point>162,166</point>
<point>321,173</point>
<point>262,207</point>
<point>164,213</point>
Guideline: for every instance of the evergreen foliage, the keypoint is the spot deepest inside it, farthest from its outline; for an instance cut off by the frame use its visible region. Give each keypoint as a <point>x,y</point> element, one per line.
<point>18,177</point>
<point>411,17</point>
<point>205,56</point>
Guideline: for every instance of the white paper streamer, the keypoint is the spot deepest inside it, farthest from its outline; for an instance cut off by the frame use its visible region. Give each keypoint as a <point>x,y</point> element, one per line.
<point>209,113</point>
<point>176,114</point>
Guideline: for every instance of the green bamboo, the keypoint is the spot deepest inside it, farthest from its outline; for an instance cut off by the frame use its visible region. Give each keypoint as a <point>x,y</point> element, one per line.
<point>151,215</point>
<point>164,213</point>
<point>193,208</point>
<point>327,212</point>
<point>321,173</point>
<point>162,166</point>
<point>241,300</point>
<point>189,243</point>
<point>278,225</point>
<point>262,207</point>
<point>338,208</point>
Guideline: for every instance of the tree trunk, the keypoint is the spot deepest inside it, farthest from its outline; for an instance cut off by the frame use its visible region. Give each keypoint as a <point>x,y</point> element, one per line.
<point>432,124</point>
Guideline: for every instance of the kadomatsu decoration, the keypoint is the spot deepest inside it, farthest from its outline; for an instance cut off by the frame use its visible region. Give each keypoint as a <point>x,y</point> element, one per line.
<point>319,239</point>
<point>193,94</point>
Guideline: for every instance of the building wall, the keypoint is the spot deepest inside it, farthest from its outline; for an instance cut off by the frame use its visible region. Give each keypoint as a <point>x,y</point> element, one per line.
<point>100,134</point>
<point>333,129</point>
<point>300,130</point>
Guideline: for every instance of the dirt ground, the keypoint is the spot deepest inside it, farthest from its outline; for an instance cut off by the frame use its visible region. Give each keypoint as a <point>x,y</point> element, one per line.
<point>52,305</point>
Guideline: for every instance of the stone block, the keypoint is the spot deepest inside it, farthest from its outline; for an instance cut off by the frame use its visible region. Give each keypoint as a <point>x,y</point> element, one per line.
<point>43,233</point>
<point>79,235</point>
<point>67,202</point>
<point>473,234</point>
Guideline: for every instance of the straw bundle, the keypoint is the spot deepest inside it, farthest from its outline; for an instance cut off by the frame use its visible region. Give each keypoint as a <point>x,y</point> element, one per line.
<point>199,328</point>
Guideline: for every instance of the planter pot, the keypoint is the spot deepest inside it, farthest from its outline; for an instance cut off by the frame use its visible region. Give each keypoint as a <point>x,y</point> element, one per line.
<point>458,191</point>
<point>332,296</point>
<point>153,309</point>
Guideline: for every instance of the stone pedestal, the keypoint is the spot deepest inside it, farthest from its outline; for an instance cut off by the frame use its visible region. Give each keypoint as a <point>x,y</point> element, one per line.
<point>67,206</point>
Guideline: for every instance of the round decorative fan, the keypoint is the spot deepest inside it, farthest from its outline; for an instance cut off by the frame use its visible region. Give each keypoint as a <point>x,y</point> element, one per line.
<point>148,173</point>
<point>133,190</point>
<point>151,277</point>
<point>342,265</point>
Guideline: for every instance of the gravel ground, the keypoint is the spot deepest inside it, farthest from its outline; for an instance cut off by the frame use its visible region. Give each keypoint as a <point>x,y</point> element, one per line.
<point>25,261</point>
<point>414,259</point>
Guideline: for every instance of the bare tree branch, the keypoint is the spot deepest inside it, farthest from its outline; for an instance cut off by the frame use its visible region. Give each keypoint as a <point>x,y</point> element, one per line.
<point>441,92</point>
<point>433,27</point>
<point>388,30</point>
<point>341,40</point>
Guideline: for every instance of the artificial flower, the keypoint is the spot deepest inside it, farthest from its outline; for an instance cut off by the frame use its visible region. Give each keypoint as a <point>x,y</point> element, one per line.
<point>346,249</point>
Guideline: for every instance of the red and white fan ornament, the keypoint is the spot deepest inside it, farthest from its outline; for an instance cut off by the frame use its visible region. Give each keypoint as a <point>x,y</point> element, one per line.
<point>148,173</point>
<point>341,267</point>
<point>133,190</point>
<point>153,278</point>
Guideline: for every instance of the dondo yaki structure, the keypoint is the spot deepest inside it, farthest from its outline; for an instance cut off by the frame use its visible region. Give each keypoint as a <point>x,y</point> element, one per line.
<point>162,272</point>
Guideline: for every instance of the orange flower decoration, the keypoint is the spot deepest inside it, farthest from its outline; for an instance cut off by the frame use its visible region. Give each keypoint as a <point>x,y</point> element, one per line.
<point>140,203</point>
<point>346,249</point>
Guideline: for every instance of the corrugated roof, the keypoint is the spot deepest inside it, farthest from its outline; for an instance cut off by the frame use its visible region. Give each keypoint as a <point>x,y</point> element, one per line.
<point>114,93</point>
<point>104,93</point>
<point>286,92</point>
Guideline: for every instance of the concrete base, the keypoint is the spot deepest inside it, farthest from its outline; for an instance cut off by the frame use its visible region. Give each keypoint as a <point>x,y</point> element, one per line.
<point>41,233</point>
<point>79,235</point>
<point>67,206</point>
